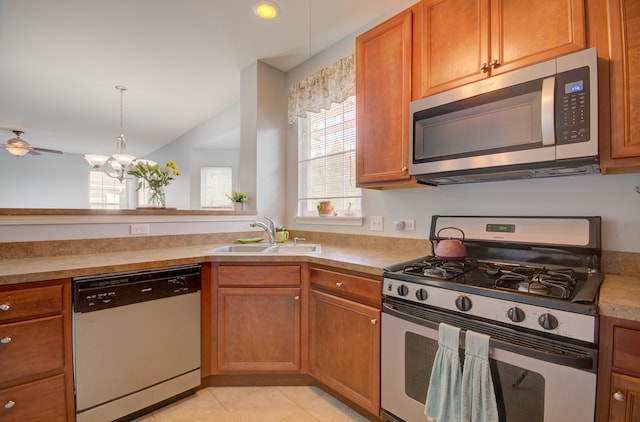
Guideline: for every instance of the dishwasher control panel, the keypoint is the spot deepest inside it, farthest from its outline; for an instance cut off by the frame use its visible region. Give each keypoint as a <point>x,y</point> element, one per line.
<point>94,293</point>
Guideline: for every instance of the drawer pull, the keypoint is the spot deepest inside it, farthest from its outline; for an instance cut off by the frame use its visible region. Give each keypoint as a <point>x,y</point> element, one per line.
<point>5,307</point>
<point>5,340</point>
<point>619,396</point>
<point>9,404</point>
<point>339,284</point>
<point>374,321</point>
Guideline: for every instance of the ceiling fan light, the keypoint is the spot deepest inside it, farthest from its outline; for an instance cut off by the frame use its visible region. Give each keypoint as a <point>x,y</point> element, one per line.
<point>96,160</point>
<point>266,9</point>
<point>16,151</point>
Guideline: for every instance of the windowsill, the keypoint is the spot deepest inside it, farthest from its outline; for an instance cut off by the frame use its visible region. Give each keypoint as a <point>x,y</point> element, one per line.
<point>329,221</point>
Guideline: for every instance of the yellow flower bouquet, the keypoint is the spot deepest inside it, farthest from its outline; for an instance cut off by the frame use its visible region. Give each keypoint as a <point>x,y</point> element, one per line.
<point>154,177</point>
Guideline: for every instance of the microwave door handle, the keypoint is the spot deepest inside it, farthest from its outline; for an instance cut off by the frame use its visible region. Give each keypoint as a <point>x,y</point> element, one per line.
<point>547,111</point>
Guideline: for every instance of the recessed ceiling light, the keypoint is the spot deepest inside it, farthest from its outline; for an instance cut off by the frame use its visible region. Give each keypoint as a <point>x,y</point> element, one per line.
<point>266,9</point>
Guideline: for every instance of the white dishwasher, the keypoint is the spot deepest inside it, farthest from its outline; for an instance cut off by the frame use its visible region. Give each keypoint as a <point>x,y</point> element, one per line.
<point>136,338</point>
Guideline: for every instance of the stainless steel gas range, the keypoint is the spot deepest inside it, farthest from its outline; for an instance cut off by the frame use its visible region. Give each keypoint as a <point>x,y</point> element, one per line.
<point>531,284</point>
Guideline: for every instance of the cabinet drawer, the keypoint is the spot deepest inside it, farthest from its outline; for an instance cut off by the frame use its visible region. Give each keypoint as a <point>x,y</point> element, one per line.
<point>626,349</point>
<point>42,400</point>
<point>359,288</point>
<point>31,302</point>
<point>30,348</point>
<point>259,275</point>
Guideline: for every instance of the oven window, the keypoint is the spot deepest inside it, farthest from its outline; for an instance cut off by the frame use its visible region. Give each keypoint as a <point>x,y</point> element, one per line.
<point>519,392</point>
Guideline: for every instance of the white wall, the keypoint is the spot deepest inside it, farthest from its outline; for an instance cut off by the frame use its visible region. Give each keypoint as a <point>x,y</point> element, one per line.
<point>44,181</point>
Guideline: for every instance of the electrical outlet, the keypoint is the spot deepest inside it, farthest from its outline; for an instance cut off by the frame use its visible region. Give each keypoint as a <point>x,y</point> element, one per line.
<point>139,229</point>
<point>376,223</point>
<point>409,224</point>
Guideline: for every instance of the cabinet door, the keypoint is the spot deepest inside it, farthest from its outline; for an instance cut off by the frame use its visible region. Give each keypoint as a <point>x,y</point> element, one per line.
<point>258,329</point>
<point>453,43</point>
<point>42,400</point>
<point>345,348</point>
<point>625,402</point>
<point>523,33</point>
<point>624,27</point>
<point>383,94</point>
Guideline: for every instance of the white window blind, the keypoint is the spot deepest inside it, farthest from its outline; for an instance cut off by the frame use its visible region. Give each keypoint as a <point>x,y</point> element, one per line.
<point>327,162</point>
<point>106,192</point>
<point>216,184</point>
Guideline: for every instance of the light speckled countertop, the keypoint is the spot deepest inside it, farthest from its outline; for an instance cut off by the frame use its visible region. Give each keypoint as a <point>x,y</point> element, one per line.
<point>619,295</point>
<point>365,260</point>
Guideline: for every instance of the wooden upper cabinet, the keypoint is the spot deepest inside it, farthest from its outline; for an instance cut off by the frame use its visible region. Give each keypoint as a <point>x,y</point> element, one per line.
<point>383,95</point>
<point>523,33</point>
<point>451,43</point>
<point>462,41</point>
<point>622,151</point>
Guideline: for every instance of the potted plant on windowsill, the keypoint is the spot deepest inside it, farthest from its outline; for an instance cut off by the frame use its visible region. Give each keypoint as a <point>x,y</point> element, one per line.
<point>238,199</point>
<point>325,209</point>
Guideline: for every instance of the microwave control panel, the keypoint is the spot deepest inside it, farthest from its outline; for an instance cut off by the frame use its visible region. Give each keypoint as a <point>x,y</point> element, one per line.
<point>573,106</point>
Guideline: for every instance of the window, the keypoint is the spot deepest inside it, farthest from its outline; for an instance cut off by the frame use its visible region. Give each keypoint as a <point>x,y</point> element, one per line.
<point>216,184</point>
<point>106,192</point>
<point>327,162</point>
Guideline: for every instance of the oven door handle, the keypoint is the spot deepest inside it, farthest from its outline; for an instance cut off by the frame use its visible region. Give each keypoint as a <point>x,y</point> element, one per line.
<point>577,361</point>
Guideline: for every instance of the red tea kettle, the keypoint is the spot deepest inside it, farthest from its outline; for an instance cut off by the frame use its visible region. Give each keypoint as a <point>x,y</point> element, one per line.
<point>449,249</point>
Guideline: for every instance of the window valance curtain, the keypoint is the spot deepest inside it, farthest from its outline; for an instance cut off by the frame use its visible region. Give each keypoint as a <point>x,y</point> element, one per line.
<point>333,84</point>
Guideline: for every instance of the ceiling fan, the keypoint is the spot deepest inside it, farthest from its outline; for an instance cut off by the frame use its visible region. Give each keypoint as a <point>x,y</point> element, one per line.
<point>19,147</point>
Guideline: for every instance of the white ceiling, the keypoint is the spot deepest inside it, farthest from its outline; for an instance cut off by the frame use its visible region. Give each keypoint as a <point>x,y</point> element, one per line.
<point>180,59</point>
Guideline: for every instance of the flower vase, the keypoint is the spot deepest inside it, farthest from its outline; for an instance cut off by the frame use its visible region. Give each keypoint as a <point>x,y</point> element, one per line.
<point>238,206</point>
<point>156,197</point>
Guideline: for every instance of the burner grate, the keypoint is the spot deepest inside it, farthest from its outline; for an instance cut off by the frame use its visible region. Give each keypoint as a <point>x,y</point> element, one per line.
<point>439,268</point>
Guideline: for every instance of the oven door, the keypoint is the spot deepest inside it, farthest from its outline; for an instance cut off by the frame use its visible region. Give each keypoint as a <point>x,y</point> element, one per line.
<point>543,385</point>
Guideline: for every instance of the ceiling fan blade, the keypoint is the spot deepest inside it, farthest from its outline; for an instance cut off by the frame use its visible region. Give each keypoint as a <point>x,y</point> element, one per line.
<point>53,151</point>
<point>32,152</point>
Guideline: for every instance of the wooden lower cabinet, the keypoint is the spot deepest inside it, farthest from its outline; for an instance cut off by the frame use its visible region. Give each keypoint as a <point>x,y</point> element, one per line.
<point>345,348</point>
<point>36,375</point>
<point>258,329</point>
<point>618,397</point>
<point>625,402</point>
<point>257,314</point>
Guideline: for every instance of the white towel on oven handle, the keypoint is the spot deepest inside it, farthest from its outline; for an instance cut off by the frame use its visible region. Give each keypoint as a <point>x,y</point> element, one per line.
<point>478,395</point>
<point>443,395</point>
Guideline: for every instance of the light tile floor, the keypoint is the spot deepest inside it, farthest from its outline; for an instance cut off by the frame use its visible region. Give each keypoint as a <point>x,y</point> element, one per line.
<point>256,404</point>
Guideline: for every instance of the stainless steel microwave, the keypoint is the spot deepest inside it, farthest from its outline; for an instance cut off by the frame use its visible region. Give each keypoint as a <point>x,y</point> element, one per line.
<point>538,121</point>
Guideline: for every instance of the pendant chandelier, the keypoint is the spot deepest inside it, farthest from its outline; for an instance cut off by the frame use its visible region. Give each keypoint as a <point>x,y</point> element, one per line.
<point>118,164</point>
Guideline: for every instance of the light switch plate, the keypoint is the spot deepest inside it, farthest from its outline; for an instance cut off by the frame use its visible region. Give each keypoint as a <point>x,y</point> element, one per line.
<point>376,223</point>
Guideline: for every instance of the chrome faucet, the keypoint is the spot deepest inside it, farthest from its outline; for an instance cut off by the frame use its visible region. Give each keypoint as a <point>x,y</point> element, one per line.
<point>270,229</point>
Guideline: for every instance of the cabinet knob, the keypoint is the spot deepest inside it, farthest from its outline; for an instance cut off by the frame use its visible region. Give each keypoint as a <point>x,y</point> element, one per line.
<point>4,307</point>
<point>484,67</point>
<point>5,340</point>
<point>494,63</point>
<point>297,297</point>
<point>619,396</point>
<point>405,170</point>
<point>339,284</point>
<point>9,404</point>
<point>374,321</point>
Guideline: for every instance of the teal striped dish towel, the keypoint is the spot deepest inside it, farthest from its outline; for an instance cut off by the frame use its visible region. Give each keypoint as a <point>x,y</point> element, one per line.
<point>478,396</point>
<point>443,395</point>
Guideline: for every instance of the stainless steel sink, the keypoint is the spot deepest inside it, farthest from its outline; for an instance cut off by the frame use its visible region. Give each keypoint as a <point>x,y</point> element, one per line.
<point>268,249</point>
<point>304,248</point>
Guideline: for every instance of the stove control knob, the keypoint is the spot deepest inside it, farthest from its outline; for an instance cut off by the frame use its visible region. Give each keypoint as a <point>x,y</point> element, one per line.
<point>463,303</point>
<point>403,290</point>
<point>515,314</point>
<point>421,294</point>
<point>548,321</point>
